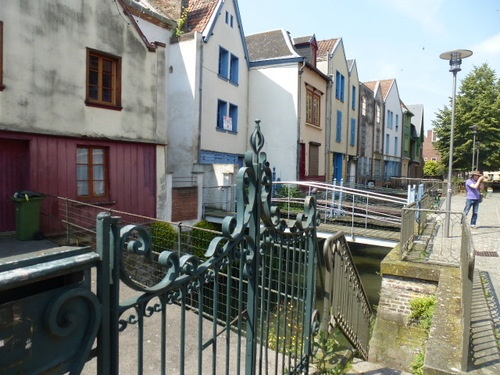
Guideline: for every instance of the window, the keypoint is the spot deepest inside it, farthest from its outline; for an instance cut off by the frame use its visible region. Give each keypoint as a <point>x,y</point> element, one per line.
<point>103,80</point>
<point>1,56</point>
<point>363,105</point>
<point>377,114</point>
<point>396,152</point>
<point>339,127</point>
<point>91,172</point>
<point>313,102</point>
<point>353,131</point>
<point>397,122</point>
<point>228,66</point>
<point>223,63</point>
<point>353,98</point>
<point>229,19</point>
<point>227,116</point>
<point>314,158</point>
<point>387,143</point>
<point>390,119</point>
<point>339,86</point>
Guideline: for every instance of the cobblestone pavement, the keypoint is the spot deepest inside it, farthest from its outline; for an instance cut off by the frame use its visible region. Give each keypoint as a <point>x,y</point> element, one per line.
<point>485,320</point>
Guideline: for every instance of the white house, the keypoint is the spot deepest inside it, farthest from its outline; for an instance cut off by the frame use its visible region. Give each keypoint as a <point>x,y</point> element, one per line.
<point>208,99</point>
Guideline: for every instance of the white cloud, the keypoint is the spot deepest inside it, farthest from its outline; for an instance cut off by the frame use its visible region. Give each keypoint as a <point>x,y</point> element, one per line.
<point>423,12</point>
<point>490,46</point>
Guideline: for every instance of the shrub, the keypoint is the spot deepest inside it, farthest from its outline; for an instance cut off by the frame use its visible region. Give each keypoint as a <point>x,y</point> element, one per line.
<point>201,237</point>
<point>422,310</point>
<point>163,236</point>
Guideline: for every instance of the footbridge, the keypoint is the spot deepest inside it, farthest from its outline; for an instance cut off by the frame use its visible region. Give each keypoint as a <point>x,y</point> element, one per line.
<point>363,214</point>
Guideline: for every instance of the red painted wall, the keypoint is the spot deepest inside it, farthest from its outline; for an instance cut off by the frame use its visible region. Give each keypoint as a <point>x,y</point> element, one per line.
<point>52,170</point>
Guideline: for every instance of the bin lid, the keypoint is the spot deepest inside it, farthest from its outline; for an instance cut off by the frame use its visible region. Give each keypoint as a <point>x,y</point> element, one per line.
<point>26,195</point>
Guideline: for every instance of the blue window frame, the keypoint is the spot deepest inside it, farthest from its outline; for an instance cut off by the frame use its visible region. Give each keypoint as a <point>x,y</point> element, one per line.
<point>390,119</point>
<point>223,63</point>
<point>339,127</point>
<point>234,69</point>
<point>387,143</point>
<point>396,153</point>
<point>353,98</point>
<point>353,131</point>
<point>229,66</point>
<point>339,86</point>
<point>227,116</point>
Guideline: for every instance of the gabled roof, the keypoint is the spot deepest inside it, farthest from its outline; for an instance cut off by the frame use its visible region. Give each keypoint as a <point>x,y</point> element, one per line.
<point>271,45</point>
<point>385,86</point>
<point>418,118</point>
<point>310,39</point>
<point>200,13</point>
<point>326,47</point>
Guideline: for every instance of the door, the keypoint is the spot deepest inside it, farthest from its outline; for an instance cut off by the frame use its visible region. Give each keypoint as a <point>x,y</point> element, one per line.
<point>14,175</point>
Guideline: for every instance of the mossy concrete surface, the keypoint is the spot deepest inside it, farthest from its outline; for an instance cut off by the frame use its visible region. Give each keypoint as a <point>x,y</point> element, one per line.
<point>396,343</point>
<point>447,347</point>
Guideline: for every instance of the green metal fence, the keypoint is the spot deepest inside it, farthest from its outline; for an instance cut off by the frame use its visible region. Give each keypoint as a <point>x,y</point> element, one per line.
<point>187,300</point>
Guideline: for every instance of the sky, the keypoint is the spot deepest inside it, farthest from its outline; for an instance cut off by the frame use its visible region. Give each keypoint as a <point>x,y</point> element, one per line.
<point>399,39</point>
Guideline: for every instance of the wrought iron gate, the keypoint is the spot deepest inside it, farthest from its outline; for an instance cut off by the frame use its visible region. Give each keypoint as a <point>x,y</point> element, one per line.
<point>247,307</point>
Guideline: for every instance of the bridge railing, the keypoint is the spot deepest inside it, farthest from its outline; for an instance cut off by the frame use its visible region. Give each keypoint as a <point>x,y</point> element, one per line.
<point>360,208</point>
<point>345,303</point>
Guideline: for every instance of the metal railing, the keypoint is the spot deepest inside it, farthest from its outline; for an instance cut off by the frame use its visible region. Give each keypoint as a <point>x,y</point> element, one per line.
<point>345,304</point>
<point>354,207</point>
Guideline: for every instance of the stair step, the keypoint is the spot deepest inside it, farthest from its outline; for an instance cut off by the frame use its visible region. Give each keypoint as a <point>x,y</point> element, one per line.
<point>362,367</point>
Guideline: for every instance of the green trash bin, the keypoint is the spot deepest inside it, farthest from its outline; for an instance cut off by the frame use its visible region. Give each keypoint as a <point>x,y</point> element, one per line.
<point>28,206</point>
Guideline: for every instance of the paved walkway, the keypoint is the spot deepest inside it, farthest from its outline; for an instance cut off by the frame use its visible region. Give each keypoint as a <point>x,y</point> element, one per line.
<point>485,319</point>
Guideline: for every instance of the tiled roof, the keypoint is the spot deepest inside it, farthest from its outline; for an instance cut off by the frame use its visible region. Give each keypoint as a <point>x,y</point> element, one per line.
<point>326,47</point>
<point>270,45</point>
<point>200,13</point>
<point>385,86</point>
<point>303,39</point>
<point>371,85</point>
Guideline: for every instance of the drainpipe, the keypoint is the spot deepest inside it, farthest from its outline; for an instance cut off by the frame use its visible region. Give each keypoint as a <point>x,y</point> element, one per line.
<point>200,104</point>
<point>299,116</point>
<point>348,127</point>
<point>328,127</point>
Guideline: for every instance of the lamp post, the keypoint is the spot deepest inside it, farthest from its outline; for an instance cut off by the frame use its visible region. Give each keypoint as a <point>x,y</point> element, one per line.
<point>474,130</point>
<point>478,145</point>
<point>455,58</point>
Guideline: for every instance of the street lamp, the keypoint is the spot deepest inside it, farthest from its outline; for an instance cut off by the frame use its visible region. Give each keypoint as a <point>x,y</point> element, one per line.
<point>455,58</point>
<point>478,145</point>
<point>474,130</point>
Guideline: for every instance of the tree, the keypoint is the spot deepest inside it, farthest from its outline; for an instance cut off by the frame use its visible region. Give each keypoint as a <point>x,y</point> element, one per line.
<point>433,169</point>
<point>477,103</point>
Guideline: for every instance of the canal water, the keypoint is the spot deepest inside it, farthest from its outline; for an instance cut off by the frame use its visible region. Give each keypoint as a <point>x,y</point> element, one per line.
<point>367,259</point>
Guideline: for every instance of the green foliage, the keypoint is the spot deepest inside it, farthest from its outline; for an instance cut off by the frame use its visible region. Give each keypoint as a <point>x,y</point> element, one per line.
<point>417,366</point>
<point>202,234</point>
<point>477,103</point>
<point>290,192</point>
<point>422,310</point>
<point>327,347</point>
<point>179,30</point>
<point>163,235</point>
<point>433,169</point>
<point>286,330</point>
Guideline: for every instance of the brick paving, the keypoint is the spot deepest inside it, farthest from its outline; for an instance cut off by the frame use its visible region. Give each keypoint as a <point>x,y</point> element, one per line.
<point>485,319</point>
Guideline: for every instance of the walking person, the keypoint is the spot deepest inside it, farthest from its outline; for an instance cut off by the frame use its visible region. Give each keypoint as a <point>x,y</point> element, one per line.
<point>473,187</point>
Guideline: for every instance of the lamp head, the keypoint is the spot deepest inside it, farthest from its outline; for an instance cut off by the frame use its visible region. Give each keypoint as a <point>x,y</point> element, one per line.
<point>455,58</point>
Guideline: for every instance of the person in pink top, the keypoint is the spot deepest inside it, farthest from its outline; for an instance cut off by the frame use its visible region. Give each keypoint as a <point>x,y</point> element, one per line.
<point>473,186</point>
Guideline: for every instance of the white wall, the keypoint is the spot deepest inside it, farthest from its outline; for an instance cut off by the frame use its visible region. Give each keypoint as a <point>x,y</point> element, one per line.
<point>46,42</point>
<point>273,100</point>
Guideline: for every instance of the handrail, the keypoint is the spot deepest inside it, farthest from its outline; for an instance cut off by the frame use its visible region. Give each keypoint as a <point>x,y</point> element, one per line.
<point>337,188</point>
<point>345,302</point>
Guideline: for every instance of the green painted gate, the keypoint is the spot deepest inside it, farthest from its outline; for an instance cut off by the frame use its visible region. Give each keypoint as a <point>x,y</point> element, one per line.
<point>246,307</point>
